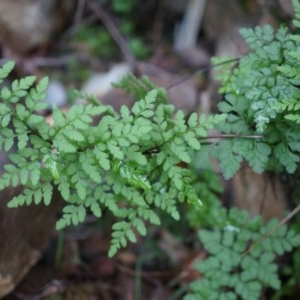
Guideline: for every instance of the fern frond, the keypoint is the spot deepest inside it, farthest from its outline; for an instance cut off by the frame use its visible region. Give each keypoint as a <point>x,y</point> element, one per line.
<point>225,246</point>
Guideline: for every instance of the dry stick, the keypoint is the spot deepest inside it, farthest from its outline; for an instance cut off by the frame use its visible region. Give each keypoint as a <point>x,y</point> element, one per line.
<point>79,11</point>
<point>113,30</point>
<point>201,71</point>
<point>272,230</point>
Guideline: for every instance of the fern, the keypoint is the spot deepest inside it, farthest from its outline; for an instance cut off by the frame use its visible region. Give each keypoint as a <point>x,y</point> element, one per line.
<point>261,100</point>
<point>138,88</point>
<point>139,161</point>
<point>262,107</point>
<point>128,162</point>
<point>227,274</point>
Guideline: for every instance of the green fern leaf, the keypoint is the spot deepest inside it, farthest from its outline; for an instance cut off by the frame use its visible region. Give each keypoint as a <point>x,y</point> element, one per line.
<point>6,69</point>
<point>47,193</point>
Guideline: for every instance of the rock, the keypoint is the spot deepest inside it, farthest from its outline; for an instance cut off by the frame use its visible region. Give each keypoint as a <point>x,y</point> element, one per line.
<point>286,7</point>
<point>223,28</point>
<point>259,194</point>
<point>182,96</point>
<point>56,94</point>
<point>99,84</point>
<point>24,234</point>
<point>28,24</point>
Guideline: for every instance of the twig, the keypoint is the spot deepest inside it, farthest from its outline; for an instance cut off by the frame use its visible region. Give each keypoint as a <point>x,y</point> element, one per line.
<point>201,71</point>
<point>272,230</point>
<point>79,11</point>
<point>41,61</point>
<point>52,61</point>
<point>113,30</point>
<point>84,22</point>
<point>54,287</point>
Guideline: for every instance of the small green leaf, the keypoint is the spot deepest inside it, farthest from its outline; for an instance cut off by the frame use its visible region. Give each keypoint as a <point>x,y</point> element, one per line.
<point>64,188</point>
<point>47,193</point>
<point>74,219</point>
<point>96,210</point>
<point>42,85</point>
<point>60,224</point>
<point>105,163</point>
<point>139,158</point>
<point>23,176</point>
<point>140,226</point>
<point>193,120</point>
<point>175,215</point>
<point>124,112</point>
<point>51,164</point>
<point>112,251</point>
<point>184,156</point>
<point>74,135</point>
<point>35,176</point>
<point>117,129</point>
<point>4,109</point>
<point>194,143</point>
<point>58,117</point>
<point>115,151</point>
<point>35,119</point>
<point>6,69</point>
<point>81,211</point>
<point>14,180</point>
<point>37,196</point>
<point>131,236</point>
<point>22,141</point>
<point>66,146</point>
<point>9,142</point>
<point>5,120</point>
<point>81,190</point>
<point>5,93</point>
<point>147,113</point>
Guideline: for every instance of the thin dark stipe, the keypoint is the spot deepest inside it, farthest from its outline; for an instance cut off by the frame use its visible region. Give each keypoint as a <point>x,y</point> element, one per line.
<point>201,71</point>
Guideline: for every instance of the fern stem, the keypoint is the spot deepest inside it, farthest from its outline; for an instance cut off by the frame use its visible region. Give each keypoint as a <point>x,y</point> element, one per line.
<point>232,136</point>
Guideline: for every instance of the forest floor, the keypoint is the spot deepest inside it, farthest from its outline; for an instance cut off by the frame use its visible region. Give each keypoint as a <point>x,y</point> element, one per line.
<point>89,55</point>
